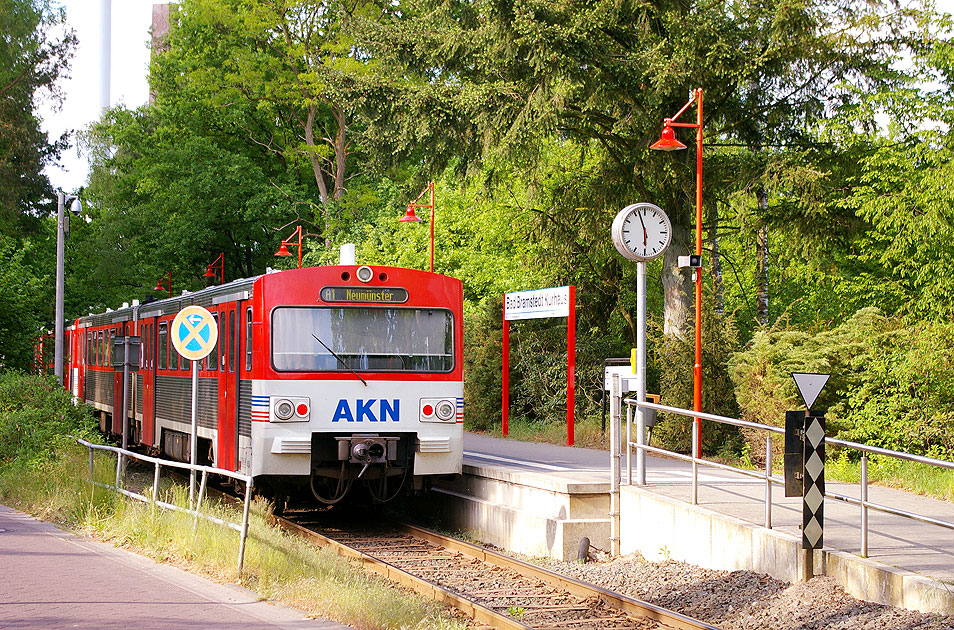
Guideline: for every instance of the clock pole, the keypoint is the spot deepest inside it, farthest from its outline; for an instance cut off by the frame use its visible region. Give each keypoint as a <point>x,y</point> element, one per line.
<point>640,371</point>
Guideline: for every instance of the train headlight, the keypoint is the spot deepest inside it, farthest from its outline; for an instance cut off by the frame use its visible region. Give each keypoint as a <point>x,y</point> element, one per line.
<point>364,274</point>
<point>290,409</point>
<point>284,409</point>
<point>438,410</point>
<point>445,410</point>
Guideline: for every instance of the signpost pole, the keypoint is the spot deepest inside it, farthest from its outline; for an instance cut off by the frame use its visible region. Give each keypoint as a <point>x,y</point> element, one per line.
<point>192,440</point>
<point>505,398</point>
<point>571,367</point>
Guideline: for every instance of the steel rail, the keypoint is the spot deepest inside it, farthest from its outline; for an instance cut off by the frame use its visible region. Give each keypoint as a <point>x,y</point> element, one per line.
<point>623,603</point>
<point>436,592</point>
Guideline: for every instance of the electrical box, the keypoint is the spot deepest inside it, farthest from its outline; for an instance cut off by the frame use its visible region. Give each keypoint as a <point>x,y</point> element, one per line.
<point>794,457</point>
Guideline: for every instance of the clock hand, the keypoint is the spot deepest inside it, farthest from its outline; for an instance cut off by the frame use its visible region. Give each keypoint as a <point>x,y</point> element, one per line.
<point>645,234</point>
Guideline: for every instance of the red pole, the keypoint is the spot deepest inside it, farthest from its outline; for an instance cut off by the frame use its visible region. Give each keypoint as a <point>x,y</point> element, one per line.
<point>697,368</point>
<point>299,247</point>
<point>506,369</point>
<point>431,186</point>
<point>571,367</point>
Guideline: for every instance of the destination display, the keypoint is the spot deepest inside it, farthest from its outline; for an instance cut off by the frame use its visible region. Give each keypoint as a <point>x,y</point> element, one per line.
<point>376,295</point>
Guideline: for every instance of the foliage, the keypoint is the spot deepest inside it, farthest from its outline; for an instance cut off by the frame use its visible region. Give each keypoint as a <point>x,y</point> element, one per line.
<point>24,303</point>
<point>890,383</point>
<point>31,60</point>
<point>36,418</point>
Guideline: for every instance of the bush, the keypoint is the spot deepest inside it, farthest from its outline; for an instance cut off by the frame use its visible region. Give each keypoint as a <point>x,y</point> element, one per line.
<point>891,385</point>
<point>37,415</point>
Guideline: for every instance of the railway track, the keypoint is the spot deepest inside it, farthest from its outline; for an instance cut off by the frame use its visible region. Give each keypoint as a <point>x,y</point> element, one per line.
<point>494,589</point>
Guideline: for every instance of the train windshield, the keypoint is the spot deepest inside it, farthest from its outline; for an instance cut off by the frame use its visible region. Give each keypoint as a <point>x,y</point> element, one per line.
<point>344,339</point>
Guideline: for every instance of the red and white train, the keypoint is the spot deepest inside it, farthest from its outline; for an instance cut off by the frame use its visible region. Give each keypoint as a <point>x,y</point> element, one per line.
<point>322,377</point>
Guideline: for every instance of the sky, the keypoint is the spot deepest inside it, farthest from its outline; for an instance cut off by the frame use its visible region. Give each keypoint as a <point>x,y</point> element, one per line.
<point>130,21</point>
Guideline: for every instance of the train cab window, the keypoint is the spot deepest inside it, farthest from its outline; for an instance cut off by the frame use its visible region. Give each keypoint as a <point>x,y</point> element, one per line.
<point>163,350</point>
<point>212,358</point>
<point>365,339</point>
<point>231,341</point>
<point>248,339</point>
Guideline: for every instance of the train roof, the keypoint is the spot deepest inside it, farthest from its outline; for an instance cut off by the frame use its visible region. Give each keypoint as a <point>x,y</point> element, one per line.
<point>240,288</point>
<point>210,296</point>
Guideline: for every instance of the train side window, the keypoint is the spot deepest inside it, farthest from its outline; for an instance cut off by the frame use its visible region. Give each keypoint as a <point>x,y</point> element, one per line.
<point>211,361</point>
<point>89,348</point>
<point>231,341</point>
<point>173,357</point>
<point>163,351</point>
<point>222,342</point>
<point>248,339</point>
<point>100,350</point>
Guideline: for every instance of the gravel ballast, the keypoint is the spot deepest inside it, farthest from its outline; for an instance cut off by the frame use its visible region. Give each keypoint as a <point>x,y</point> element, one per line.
<point>747,600</point>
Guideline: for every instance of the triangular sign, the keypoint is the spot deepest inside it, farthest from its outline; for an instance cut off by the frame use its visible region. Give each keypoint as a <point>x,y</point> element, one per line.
<point>809,386</point>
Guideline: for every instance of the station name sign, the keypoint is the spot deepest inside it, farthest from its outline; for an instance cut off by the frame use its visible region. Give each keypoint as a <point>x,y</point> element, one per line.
<point>376,295</point>
<point>540,303</point>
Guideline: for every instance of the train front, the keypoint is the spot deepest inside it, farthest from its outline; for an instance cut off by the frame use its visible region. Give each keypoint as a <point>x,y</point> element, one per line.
<point>358,381</point>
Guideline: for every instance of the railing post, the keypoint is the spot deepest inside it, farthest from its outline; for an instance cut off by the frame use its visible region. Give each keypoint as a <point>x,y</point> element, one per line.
<point>205,477</point>
<point>864,505</point>
<point>629,445</point>
<point>768,481</point>
<point>155,484</point>
<point>90,464</point>
<point>119,468</point>
<point>695,462</point>
<point>248,498</point>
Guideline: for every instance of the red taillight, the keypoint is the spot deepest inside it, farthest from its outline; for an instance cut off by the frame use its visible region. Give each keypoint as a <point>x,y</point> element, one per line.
<point>427,410</point>
<point>302,409</point>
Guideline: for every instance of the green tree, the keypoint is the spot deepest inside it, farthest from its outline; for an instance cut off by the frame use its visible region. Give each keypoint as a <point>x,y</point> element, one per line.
<point>31,60</point>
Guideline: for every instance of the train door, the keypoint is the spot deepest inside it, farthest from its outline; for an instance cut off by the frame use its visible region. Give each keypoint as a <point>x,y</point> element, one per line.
<point>147,368</point>
<point>227,434</point>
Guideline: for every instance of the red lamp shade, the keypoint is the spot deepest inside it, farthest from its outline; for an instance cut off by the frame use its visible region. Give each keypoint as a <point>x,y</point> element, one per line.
<point>209,273</point>
<point>410,216</point>
<point>159,286</point>
<point>283,251</point>
<point>667,141</point>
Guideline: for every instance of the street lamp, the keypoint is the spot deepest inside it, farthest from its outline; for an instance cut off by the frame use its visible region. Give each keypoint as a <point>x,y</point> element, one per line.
<point>167,279</point>
<point>62,231</point>
<point>410,216</point>
<point>668,142</point>
<point>218,263</point>
<point>283,249</point>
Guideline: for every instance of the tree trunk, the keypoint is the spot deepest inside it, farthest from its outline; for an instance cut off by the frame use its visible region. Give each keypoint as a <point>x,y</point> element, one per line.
<point>677,286</point>
<point>717,286</point>
<point>313,156</point>
<point>761,261</point>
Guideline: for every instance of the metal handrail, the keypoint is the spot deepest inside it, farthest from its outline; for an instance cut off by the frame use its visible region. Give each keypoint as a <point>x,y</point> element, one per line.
<point>864,449</point>
<point>121,454</point>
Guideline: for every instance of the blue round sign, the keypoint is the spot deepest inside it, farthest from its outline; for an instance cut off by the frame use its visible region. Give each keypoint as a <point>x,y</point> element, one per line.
<point>194,332</point>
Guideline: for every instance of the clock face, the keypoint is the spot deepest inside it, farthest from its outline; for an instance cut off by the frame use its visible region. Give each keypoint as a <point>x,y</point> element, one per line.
<point>641,231</point>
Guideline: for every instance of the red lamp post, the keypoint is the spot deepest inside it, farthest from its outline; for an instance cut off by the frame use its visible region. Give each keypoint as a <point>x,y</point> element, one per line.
<point>283,248</point>
<point>218,263</point>
<point>165,283</point>
<point>668,142</point>
<point>410,216</point>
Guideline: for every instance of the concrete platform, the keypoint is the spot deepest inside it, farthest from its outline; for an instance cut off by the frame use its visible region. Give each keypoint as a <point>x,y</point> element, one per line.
<point>541,499</point>
<point>54,579</point>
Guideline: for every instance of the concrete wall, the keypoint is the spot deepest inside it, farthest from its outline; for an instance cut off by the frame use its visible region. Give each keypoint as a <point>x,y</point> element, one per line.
<point>659,527</point>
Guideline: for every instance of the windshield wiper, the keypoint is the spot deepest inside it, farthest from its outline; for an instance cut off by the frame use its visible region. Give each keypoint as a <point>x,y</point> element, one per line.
<point>340,360</point>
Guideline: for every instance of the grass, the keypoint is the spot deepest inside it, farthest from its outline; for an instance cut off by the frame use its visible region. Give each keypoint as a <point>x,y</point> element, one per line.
<point>894,473</point>
<point>587,432</point>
